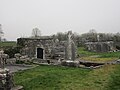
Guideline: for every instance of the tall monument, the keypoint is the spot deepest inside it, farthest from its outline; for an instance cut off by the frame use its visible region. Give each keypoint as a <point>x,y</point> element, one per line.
<point>70,47</point>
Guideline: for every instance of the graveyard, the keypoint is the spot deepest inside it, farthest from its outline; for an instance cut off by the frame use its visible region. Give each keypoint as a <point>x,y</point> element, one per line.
<point>50,77</point>
<point>60,45</point>
<point>47,63</point>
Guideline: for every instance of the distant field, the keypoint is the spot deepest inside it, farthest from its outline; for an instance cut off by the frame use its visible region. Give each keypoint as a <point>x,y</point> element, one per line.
<point>7,43</point>
<point>67,78</point>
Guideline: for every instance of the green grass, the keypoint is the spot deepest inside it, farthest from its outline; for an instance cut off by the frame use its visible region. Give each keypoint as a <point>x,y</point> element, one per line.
<point>65,78</point>
<point>101,57</point>
<point>7,43</point>
<point>83,52</point>
<point>114,80</point>
<point>49,77</point>
<point>110,54</point>
<point>98,59</point>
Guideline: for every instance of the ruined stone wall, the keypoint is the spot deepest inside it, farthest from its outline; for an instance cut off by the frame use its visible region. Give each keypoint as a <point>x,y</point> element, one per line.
<point>100,46</point>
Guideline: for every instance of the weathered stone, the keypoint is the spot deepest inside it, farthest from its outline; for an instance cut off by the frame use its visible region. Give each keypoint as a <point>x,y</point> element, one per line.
<point>70,48</point>
<point>70,63</point>
<point>3,58</point>
<point>6,79</point>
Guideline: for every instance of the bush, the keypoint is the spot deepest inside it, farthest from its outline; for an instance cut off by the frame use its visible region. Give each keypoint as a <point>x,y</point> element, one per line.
<point>12,51</point>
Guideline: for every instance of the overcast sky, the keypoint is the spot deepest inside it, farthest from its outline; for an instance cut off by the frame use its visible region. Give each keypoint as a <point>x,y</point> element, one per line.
<point>19,17</point>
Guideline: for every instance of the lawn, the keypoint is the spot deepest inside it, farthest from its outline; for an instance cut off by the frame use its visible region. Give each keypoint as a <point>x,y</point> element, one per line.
<point>83,52</point>
<point>67,78</point>
<point>97,57</point>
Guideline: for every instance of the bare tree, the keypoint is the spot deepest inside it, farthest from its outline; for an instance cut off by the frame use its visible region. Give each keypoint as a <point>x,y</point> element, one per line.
<point>1,32</point>
<point>36,32</point>
<point>61,36</point>
<point>90,36</point>
<point>92,31</point>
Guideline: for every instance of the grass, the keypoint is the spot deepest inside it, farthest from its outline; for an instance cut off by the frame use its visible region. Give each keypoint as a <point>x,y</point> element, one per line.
<point>83,52</point>
<point>7,43</point>
<point>66,78</point>
<point>97,57</point>
<point>114,80</point>
<point>111,54</point>
<point>49,77</point>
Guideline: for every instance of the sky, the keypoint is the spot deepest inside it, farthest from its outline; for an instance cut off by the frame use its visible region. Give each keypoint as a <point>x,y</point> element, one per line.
<point>19,17</point>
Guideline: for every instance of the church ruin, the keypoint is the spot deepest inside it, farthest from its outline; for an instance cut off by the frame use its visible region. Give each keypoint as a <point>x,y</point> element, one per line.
<point>46,47</point>
<point>100,46</point>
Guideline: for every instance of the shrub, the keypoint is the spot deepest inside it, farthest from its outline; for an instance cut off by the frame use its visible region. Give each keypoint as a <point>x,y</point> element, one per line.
<point>12,51</point>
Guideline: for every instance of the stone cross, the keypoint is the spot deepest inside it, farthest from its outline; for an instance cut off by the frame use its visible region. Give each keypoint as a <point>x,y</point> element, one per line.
<point>69,47</point>
<point>69,36</point>
<point>98,37</point>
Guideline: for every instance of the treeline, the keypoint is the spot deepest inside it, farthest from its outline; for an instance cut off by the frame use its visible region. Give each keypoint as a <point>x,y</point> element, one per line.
<point>91,36</point>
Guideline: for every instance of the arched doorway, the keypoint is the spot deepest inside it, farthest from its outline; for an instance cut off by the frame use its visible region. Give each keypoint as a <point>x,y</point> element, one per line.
<point>40,53</point>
